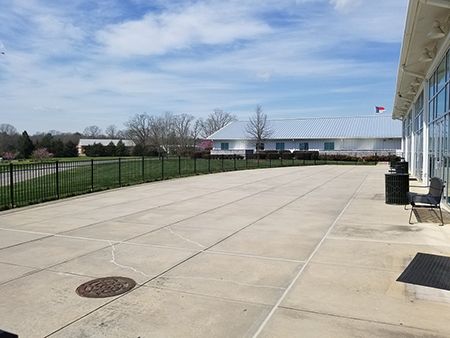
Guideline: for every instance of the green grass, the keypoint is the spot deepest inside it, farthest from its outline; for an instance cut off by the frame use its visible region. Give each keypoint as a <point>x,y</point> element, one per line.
<point>79,177</point>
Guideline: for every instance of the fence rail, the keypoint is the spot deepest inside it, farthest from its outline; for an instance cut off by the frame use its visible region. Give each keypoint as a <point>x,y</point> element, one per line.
<point>24,184</point>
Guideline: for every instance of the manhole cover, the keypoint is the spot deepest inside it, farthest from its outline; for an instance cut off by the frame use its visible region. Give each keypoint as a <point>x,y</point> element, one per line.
<point>105,287</point>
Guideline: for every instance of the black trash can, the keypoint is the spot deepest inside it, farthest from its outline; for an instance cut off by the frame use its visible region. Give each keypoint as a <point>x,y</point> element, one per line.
<point>396,188</point>
<point>401,167</point>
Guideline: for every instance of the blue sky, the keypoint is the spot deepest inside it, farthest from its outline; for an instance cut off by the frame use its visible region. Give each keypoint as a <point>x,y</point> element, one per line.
<point>70,64</point>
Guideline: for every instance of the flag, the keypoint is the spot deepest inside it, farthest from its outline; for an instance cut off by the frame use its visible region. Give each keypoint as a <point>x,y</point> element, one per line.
<point>379,110</point>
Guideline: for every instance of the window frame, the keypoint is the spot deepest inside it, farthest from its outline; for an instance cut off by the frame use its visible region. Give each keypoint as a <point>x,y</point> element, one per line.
<point>325,144</point>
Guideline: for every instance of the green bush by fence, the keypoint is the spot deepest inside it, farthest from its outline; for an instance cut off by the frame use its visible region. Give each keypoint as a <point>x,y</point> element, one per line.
<point>24,184</point>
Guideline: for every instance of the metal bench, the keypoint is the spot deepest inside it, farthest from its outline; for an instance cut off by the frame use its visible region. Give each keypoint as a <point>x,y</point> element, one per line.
<point>431,200</point>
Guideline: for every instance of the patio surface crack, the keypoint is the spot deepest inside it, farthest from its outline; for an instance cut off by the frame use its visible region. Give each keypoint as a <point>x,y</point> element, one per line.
<point>184,238</point>
<point>113,260</point>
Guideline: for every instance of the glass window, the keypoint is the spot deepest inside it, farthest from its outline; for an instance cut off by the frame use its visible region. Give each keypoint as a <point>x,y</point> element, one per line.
<point>431,87</point>
<point>279,146</point>
<point>328,146</point>
<point>448,66</point>
<point>259,146</point>
<point>440,104</point>
<point>303,146</point>
<point>441,76</point>
<point>432,110</point>
<point>224,146</point>
<point>419,103</point>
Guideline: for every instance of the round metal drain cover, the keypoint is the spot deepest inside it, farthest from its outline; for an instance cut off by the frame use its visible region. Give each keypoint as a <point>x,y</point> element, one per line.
<point>105,287</point>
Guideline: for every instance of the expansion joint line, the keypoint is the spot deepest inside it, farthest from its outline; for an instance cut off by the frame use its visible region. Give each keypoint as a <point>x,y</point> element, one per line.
<point>203,250</point>
<point>302,269</point>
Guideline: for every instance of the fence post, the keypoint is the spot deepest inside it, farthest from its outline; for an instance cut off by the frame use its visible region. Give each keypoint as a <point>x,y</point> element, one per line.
<point>270,162</point>
<point>235,168</point>
<point>179,165</point>
<point>195,165</point>
<point>120,173</point>
<point>162,167</point>
<point>142,168</point>
<point>209,163</point>
<point>281,160</point>
<point>92,175</point>
<point>246,161</point>
<point>222,162</point>
<point>293,160</point>
<point>257,161</point>
<point>304,160</point>
<point>57,179</point>
<point>11,183</point>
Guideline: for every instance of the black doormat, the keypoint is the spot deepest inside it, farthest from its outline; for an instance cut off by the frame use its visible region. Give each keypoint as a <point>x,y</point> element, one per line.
<point>428,270</point>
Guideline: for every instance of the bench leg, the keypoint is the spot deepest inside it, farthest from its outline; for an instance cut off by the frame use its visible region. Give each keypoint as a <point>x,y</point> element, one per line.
<point>442,218</point>
<point>410,215</point>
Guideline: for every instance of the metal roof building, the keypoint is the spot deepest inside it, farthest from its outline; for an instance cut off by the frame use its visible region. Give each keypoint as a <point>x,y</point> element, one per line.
<point>350,134</point>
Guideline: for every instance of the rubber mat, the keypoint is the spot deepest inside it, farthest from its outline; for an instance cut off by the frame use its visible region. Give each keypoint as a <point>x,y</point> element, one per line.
<point>428,270</point>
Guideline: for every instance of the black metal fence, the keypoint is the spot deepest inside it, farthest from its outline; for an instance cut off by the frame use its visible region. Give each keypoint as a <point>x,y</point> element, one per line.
<point>30,183</point>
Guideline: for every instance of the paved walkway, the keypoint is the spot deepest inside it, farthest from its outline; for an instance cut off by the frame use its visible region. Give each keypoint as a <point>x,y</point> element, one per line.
<point>285,252</point>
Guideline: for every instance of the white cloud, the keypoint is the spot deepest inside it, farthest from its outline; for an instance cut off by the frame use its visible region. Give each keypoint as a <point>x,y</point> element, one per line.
<point>208,54</point>
<point>345,5</point>
<point>184,28</point>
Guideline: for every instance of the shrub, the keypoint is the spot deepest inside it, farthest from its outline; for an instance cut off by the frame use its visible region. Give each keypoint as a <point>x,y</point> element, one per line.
<point>41,154</point>
<point>225,157</point>
<point>200,154</point>
<point>272,155</point>
<point>339,157</point>
<point>306,155</point>
<point>8,156</point>
<point>287,155</point>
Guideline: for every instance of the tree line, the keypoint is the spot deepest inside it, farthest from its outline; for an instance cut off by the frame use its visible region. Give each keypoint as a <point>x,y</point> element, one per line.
<point>152,135</point>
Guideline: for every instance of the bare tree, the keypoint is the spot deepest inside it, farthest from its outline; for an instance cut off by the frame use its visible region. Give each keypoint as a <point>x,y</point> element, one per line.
<point>182,129</point>
<point>258,128</point>
<point>196,131</point>
<point>139,129</point>
<point>92,131</point>
<point>9,138</point>
<point>111,131</point>
<point>162,132</point>
<point>7,129</point>
<point>215,121</point>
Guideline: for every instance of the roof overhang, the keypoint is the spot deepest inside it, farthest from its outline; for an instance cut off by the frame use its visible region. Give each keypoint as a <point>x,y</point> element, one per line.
<point>413,67</point>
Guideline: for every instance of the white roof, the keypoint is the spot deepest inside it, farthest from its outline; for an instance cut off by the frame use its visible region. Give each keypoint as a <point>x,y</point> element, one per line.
<point>419,22</point>
<point>103,141</point>
<point>319,128</point>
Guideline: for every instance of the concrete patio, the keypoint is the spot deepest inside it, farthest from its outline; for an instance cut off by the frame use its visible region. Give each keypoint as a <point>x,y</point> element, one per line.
<point>284,252</point>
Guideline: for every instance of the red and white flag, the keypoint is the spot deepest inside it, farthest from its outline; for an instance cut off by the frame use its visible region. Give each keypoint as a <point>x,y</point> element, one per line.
<point>379,110</point>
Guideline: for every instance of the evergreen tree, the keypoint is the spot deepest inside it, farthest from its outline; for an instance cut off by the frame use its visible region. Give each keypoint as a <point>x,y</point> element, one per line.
<point>139,150</point>
<point>57,148</point>
<point>47,142</point>
<point>110,149</point>
<point>121,150</point>
<point>97,149</point>
<point>26,146</point>
<point>70,149</point>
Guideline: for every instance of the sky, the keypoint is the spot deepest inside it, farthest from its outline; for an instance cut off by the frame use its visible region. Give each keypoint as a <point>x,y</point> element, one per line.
<point>70,64</point>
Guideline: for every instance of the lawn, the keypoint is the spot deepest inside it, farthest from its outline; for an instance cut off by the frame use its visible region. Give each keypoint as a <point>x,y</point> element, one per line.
<point>42,181</point>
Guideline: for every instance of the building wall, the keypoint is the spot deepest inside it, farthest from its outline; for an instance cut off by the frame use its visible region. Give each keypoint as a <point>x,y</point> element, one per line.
<point>339,144</point>
<point>426,126</point>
